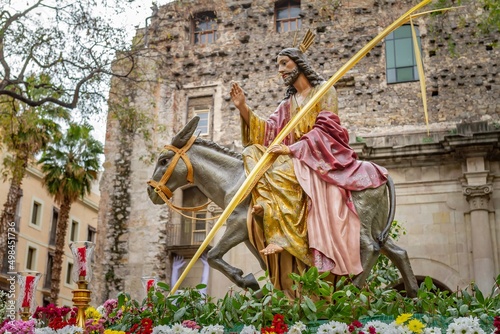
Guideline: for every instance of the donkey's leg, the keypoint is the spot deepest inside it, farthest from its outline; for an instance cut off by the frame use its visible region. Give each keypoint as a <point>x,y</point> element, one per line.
<point>256,253</point>
<point>400,258</point>
<point>369,251</point>
<point>236,232</point>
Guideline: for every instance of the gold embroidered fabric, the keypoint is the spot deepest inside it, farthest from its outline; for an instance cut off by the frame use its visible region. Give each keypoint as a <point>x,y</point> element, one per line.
<point>280,194</point>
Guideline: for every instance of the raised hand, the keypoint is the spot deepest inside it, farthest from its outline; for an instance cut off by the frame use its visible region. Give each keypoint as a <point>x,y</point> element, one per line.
<point>238,96</point>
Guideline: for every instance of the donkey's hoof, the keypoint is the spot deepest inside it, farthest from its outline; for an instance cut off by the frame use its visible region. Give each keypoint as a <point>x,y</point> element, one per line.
<point>250,282</point>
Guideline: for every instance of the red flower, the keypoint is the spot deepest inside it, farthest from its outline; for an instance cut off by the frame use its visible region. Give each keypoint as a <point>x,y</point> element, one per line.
<point>278,325</point>
<point>145,327</point>
<point>496,323</point>
<point>372,330</point>
<point>357,324</point>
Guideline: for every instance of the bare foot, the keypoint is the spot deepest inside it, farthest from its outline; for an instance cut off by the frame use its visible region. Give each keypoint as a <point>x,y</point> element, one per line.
<point>272,249</point>
<point>258,210</point>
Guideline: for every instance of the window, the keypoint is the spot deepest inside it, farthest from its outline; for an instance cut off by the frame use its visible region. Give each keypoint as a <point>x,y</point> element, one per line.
<point>401,65</point>
<point>91,234</point>
<point>287,16</point>
<point>203,125</point>
<point>53,227</point>
<point>17,218</point>
<point>202,106</point>
<point>199,228</point>
<point>69,270</point>
<point>36,214</point>
<point>204,28</point>
<point>194,230</point>
<point>73,235</point>
<point>31,258</point>
<point>5,264</point>
<point>48,271</point>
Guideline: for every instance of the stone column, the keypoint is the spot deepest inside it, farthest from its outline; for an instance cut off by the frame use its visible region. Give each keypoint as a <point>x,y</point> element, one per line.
<point>482,243</point>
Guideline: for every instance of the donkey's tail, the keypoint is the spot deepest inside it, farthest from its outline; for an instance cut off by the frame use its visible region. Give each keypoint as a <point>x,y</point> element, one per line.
<point>392,211</point>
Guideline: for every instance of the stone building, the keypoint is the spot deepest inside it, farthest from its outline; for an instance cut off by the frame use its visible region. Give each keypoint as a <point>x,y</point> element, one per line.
<point>447,174</point>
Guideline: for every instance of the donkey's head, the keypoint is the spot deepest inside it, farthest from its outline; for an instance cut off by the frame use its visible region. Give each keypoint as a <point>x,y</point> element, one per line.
<point>170,172</point>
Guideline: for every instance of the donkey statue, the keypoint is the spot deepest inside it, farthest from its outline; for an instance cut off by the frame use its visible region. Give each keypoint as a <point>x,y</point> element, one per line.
<point>218,173</point>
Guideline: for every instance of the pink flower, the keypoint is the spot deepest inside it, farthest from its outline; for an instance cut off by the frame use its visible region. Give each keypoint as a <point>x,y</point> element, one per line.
<point>19,327</point>
<point>190,324</point>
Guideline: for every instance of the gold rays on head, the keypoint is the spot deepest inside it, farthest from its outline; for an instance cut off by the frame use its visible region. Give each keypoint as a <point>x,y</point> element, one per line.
<point>306,41</point>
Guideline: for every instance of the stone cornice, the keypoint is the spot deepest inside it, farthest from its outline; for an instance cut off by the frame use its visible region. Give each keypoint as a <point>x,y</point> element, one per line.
<point>450,147</point>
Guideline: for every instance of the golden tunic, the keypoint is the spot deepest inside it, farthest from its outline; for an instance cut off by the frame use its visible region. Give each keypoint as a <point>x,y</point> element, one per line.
<point>278,191</point>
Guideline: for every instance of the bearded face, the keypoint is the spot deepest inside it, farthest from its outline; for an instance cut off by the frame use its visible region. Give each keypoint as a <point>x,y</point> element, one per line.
<point>288,70</point>
<point>291,76</point>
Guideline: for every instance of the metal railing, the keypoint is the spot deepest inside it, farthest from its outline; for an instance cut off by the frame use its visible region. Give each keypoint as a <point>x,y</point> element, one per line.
<point>182,234</point>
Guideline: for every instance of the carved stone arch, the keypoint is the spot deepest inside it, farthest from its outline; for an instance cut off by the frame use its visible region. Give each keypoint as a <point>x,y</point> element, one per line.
<point>443,276</point>
<point>399,285</point>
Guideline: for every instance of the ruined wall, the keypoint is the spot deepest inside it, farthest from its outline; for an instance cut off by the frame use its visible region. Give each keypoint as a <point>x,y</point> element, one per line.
<point>462,86</point>
<point>461,67</point>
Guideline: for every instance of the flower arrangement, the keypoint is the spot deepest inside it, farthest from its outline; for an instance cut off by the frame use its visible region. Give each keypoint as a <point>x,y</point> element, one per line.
<point>318,307</point>
<point>55,317</point>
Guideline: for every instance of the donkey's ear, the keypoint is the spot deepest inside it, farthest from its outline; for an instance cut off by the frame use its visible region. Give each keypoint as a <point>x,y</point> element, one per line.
<point>183,136</point>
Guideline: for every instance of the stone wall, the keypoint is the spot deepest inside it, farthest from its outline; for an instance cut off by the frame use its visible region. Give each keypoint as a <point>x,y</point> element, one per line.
<point>386,121</point>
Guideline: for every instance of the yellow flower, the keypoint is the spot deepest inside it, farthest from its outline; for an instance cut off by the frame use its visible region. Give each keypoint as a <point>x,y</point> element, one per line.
<point>416,326</point>
<point>110,331</point>
<point>91,312</point>
<point>403,318</point>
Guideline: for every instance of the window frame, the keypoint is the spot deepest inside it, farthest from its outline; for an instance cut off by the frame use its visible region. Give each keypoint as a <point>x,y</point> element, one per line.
<point>281,23</point>
<point>53,226</point>
<point>91,231</point>
<point>39,213</point>
<point>48,270</point>
<point>198,104</point>
<point>69,274</point>
<point>194,220</point>
<point>73,236</point>
<point>203,111</point>
<point>31,257</point>
<point>198,34</point>
<point>392,55</point>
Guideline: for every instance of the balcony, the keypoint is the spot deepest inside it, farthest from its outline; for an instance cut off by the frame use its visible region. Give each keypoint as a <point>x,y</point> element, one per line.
<point>187,233</point>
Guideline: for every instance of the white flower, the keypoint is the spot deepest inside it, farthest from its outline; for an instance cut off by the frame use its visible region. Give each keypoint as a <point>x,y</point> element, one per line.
<point>101,309</point>
<point>70,330</point>
<point>333,327</point>
<point>249,330</point>
<point>178,329</point>
<point>44,330</point>
<point>465,325</point>
<point>213,329</point>
<point>163,329</point>
<point>432,330</point>
<point>297,328</point>
<point>382,327</point>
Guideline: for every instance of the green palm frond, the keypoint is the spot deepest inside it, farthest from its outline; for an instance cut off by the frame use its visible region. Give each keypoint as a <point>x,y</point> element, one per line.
<point>71,163</point>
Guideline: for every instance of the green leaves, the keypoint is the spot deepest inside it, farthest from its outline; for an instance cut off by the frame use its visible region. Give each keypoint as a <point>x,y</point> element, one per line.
<point>344,302</point>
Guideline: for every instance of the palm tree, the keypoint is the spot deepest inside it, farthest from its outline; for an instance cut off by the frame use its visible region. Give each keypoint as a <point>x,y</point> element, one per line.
<point>69,166</point>
<point>24,132</point>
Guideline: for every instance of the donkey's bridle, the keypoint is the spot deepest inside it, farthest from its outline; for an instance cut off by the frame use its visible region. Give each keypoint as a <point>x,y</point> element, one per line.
<point>161,188</point>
